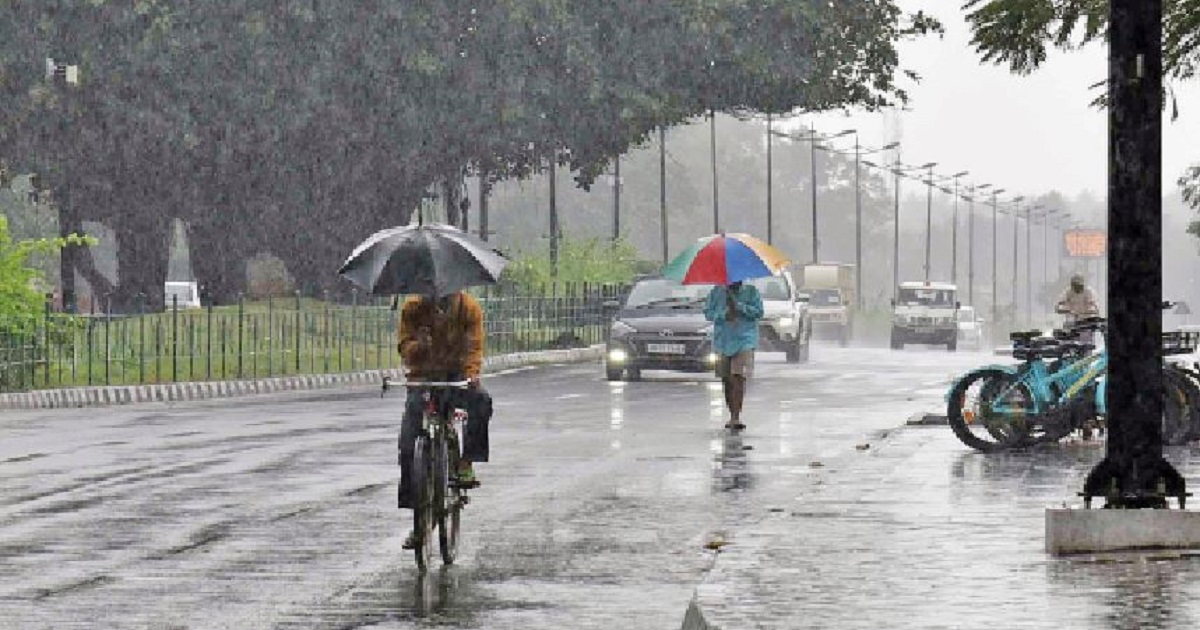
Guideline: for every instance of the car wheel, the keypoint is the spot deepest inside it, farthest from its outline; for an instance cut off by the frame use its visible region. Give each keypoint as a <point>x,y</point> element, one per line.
<point>952,345</point>
<point>897,342</point>
<point>634,374</point>
<point>844,336</point>
<point>792,352</point>
<point>612,374</point>
<point>804,351</point>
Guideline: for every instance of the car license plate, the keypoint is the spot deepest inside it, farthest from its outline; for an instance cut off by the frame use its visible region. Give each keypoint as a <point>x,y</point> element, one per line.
<point>665,348</point>
<point>923,330</point>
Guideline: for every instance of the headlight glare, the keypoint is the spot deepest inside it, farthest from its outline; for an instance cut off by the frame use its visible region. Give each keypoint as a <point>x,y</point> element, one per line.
<point>617,355</point>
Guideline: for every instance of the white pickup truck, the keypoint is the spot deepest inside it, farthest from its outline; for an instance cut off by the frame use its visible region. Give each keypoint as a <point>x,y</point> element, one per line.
<point>925,312</point>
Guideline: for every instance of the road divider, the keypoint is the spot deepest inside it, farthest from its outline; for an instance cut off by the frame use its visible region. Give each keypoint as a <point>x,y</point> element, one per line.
<point>104,396</point>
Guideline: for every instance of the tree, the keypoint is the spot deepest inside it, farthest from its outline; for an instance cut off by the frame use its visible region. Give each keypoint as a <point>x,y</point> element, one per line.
<point>296,127</point>
<point>1019,33</point>
<point>22,288</point>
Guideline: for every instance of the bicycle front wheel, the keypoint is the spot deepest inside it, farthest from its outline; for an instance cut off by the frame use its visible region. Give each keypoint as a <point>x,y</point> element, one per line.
<point>449,517</point>
<point>423,513</point>
<point>991,410</point>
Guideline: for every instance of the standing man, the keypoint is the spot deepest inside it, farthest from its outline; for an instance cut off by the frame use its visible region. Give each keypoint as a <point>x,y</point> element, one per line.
<point>1078,301</point>
<point>734,311</point>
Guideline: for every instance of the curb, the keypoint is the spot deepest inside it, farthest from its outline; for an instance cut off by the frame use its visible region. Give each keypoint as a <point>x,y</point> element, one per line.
<point>104,396</point>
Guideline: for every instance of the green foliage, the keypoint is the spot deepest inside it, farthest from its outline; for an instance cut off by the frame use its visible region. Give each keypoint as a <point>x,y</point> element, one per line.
<point>580,261</point>
<point>21,291</point>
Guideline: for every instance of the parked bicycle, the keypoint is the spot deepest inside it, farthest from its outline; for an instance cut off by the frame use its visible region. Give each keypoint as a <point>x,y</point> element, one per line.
<point>439,497</point>
<point>1058,389</point>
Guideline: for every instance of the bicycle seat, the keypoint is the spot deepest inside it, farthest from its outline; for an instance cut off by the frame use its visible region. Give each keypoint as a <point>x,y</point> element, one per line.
<point>1025,336</point>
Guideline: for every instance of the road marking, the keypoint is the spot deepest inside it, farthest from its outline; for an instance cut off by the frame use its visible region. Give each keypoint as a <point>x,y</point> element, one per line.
<point>569,396</point>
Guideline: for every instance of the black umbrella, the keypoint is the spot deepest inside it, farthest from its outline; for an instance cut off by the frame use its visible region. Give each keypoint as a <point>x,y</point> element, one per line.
<point>422,259</point>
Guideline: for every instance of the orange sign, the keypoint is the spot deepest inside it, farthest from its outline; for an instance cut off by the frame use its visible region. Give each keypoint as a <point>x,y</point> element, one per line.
<point>1086,243</point>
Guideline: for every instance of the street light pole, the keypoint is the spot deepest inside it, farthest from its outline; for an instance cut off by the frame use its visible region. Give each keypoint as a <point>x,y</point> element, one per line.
<point>812,166</point>
<point>616,199</point>
<point>995,261</point>
<point>928,216</point>
<point>954,232</point>
<point>858,270</point>
<point>770,221</point>
<point>713,143</point>
<point>971,242</point>
<point>662,192</point>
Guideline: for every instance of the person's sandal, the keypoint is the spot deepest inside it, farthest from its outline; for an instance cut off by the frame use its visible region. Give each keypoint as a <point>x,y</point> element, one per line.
<point>410,542</point>
<point>735,426</point>
<point>465,479</point>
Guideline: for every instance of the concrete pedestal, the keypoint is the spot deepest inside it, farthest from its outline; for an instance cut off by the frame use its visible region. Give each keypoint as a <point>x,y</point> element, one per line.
<point>1073,530</point>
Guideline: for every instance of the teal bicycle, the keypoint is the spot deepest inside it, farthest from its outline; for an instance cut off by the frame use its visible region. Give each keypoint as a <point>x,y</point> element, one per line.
<point>1058,389</point>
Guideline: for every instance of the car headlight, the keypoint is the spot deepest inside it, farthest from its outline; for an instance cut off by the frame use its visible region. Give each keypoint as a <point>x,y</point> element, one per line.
<point>707,331</point>
<point>787,322</point>
<point>617,355</point>
<point>712,358</point>
<point>621,329</point>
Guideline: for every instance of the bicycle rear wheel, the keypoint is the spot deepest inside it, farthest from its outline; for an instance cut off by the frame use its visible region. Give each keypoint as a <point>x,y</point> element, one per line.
<point>1181,407</point>
<point>423,513</point>
<point>990,410</point>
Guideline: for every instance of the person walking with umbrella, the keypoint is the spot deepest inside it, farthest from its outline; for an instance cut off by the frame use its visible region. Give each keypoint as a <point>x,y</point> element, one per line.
<point>440,332</point>
<point>734,306</point>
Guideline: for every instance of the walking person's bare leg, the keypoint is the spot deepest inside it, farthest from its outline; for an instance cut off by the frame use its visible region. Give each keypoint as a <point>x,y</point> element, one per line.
<point>737,397</point>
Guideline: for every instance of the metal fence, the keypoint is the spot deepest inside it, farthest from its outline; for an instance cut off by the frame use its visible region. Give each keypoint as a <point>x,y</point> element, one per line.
<point>275,337</point>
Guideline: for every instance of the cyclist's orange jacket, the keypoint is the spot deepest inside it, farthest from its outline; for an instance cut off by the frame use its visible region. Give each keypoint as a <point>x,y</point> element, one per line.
<point>457,334</point>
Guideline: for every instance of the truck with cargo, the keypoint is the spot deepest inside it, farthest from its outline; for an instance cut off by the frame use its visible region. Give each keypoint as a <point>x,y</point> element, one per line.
<point>831,287</point>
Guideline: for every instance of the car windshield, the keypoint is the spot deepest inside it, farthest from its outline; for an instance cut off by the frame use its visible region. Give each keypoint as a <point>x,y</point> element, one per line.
<point>771,287</point>
<point>666,293</point>
<point>925,297</point>
<point>825,297</point>
<point>966,315</point>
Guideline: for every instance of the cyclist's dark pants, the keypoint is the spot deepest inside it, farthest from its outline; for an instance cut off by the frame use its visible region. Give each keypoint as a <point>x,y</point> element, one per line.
<point>478,404</point>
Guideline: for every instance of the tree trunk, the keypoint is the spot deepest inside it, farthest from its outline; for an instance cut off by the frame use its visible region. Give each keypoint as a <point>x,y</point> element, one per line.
<point>143,246</point>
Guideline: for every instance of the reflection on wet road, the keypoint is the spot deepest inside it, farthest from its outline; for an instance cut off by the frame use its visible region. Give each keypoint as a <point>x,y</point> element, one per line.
<point>278,512</point>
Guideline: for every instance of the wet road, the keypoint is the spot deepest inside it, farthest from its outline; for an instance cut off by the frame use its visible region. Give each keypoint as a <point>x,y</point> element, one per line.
<point>278,512</point>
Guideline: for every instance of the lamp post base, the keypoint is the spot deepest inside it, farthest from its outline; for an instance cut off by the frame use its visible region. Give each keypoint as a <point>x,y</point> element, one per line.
<point>1144,482</point>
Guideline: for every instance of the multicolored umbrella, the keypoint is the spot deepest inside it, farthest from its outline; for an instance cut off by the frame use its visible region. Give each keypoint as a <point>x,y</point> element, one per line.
<point>724,259</point>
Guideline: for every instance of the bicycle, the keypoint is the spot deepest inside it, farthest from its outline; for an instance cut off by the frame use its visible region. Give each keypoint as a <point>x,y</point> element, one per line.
<point>439,500</point>
<point>1057,390</point>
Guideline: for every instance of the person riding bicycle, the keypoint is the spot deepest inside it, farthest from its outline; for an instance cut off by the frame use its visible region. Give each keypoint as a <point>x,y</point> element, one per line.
<point>1078,302</point>
<point>441,339</point>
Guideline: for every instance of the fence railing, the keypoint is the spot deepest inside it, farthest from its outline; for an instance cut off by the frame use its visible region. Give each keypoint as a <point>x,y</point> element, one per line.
<point>274,337</point>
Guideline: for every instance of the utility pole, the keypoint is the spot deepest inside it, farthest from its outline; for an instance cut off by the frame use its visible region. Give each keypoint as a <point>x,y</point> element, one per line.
<point>616,235</point>
<point>812,168</point>
<point>954,232</point>
<point>1015,276</point>
<point>713,142</point>
<point>484,189</point>
<point>770,221</point>
<point>553,215</point>
<point>895,229</point>
<point>1133,473</point>
<point>928,218</point>
<point>995,262</point>
<point>662,193</point>
<point>858,270</point>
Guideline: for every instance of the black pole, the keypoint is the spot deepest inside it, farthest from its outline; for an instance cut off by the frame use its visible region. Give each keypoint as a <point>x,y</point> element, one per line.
<point>553,216</point>
<point>713,142</point>
<point>812,168</point>
<point>770,222</point>
<point>662,192</point>
<point>484,187</point>
<point>954,239</point>
<point>928,219</point>
<point>858,270</point>
<point>1133,473</point>
<point>616,199</point>
<point>971,247</point>
<point>1016,279</point>
<point>995,263</point>
<point>896,230</point>
<point>1028,267</point>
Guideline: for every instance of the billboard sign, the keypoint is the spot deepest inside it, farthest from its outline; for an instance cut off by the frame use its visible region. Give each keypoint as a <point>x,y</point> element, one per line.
<point>1086,243</point>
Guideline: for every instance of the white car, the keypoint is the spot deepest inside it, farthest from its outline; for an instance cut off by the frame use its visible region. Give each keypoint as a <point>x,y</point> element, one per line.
<point>970,328</point>
<point>786,325</point>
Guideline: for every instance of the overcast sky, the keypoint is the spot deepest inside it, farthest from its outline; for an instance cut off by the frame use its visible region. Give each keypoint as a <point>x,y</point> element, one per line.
<point>1026,134</point>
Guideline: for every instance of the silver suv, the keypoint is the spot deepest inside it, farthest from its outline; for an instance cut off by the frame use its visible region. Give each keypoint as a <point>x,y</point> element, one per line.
<point>786,325</point>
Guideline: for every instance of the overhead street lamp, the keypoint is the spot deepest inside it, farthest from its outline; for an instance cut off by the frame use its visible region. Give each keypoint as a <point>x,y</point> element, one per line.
<point>898,170</point>
<point>858,153</point>
<point>813,138</point>
<point>954,231</point>
<point>996,192</point>
<point>971,241</point>
<point>1016,201</point>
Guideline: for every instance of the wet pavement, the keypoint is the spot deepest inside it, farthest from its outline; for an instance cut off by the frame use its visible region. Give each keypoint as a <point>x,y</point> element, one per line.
<point>598,505</point>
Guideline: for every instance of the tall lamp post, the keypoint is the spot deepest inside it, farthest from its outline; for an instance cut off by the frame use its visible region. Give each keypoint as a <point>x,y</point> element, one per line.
<point>813,138</point>
<point>859,152</point>
<point>897,170</point>
<point>996,192</point>
<point>928,214</point>
<point>971,241</point>
<point>1015,265</point>
<point>954,230</point>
